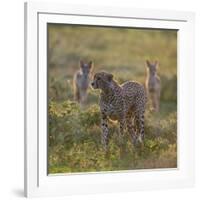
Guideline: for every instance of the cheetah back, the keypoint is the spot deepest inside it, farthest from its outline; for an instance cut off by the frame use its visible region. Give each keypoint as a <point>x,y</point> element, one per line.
<point>134,95</point>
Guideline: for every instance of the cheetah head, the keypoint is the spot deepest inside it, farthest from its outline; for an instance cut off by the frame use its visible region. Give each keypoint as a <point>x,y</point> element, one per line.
<point>102,80</point>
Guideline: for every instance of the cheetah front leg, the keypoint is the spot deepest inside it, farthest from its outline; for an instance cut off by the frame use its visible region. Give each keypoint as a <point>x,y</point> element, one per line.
<point>122,139</point>
<point>122,126</point>
<point>105,132</point>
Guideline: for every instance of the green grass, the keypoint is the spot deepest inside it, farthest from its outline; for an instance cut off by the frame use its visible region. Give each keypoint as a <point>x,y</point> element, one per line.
<point>75,134</point>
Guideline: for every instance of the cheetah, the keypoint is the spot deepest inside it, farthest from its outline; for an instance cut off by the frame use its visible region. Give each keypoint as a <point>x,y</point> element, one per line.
<point>153,85</point>
<point>124,103</point>
<point>81,82</point>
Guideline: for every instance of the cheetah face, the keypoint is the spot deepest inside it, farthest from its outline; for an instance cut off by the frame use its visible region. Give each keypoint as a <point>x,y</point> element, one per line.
<point>86,68</point>
<point>102,80</point>
<point>152,67</point>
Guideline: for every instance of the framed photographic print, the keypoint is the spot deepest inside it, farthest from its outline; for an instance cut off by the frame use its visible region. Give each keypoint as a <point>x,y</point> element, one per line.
<point>109,99</point>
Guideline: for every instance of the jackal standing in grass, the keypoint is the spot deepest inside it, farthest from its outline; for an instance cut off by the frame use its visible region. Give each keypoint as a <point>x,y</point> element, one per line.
<point>81,82</point>
<point>153,85</point>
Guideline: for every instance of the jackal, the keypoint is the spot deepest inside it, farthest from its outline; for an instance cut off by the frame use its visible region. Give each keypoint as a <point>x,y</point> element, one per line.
<point>81,81</point>
<point>153,84</point>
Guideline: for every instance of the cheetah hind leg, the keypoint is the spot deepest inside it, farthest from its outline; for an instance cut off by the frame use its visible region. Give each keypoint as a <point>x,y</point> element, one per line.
<point>139,124</point>
<point>141,128</point>
<point>131,130</point>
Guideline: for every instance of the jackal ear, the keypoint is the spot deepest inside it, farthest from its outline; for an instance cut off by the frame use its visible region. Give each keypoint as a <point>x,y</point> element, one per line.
<point>90,64</point>
<point>148,63</point>
<point>81,63</point>
<point>110,77</point>
<point>156,63</point>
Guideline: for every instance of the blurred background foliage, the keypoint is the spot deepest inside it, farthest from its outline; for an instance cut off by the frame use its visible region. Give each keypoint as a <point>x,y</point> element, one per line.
<point>74,133</point>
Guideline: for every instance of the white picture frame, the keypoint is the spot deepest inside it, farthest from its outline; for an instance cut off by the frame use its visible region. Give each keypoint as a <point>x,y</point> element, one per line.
<point>37,181</point>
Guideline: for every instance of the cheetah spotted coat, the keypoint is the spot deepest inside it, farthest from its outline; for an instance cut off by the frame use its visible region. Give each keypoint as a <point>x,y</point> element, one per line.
<point>124,103</point>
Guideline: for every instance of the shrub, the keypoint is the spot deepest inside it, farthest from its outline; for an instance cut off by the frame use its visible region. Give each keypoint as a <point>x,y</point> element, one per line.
<point>75,141</point>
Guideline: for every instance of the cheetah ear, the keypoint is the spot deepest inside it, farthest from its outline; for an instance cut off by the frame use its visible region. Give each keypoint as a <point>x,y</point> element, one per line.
<point>110,77</point>
<point>148,63</point>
